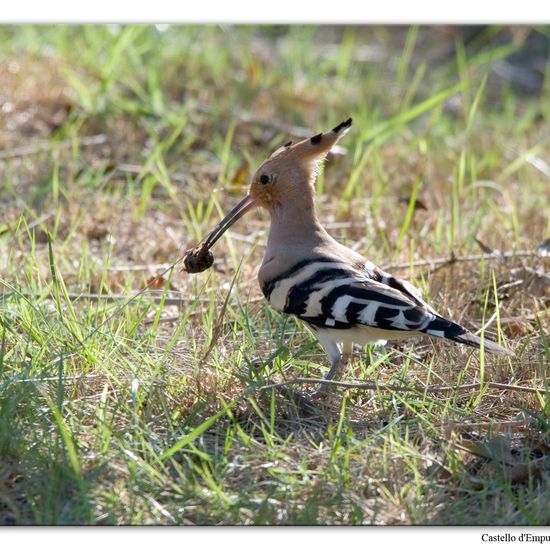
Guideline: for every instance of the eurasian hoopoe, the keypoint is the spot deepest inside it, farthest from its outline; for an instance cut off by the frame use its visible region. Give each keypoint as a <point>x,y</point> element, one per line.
<point>343,297</point>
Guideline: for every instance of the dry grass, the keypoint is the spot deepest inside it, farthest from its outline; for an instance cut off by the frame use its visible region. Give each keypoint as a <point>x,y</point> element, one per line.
<point>109,411</point>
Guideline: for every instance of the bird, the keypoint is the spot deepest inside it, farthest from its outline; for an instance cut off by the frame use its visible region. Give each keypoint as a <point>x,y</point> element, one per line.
<point>343,297</point>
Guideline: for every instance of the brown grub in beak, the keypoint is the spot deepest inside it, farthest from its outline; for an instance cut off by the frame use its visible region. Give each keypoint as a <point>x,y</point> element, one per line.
<point>200,258</point>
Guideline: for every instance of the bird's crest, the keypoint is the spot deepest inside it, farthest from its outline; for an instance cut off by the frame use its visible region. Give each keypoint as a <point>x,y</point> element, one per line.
<point>314,148</point>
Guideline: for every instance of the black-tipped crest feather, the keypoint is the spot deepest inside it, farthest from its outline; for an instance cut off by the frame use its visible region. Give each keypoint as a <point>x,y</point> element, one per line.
<point>342,126</point>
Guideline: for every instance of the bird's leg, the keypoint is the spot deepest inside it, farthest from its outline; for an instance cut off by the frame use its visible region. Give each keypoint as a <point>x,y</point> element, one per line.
<point>333,374</point>
<point>334,352</point>
<point>347,353</point>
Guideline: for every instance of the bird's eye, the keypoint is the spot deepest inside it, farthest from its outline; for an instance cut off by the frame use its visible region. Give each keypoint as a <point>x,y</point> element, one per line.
<point>264,178</point>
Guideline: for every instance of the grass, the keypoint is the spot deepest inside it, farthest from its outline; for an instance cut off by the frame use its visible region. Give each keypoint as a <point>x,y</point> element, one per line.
<point>119,404</point>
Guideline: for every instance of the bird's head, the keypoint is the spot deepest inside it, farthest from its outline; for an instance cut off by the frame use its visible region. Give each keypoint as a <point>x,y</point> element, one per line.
<point>289,173</point>
<point>286,177</point>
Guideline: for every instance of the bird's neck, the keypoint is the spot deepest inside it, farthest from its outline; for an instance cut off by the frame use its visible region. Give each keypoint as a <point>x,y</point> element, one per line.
<point>295,235</point>
<point>295,224</point>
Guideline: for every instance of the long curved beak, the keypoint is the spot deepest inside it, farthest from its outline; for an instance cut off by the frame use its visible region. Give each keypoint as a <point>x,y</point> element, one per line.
<point>236,214</point>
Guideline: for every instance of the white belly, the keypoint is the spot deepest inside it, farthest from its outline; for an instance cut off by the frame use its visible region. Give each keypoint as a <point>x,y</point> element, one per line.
<point>363,335</point>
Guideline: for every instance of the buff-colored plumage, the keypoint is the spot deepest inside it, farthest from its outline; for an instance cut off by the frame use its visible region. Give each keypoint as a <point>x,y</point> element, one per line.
<point>338,293</point>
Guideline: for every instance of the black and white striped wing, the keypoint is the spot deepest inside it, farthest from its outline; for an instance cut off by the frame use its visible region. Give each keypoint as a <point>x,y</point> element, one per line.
<point>332,294</point>
<point>402,286</point>
<point>350,303</point>
<point>337,295</point>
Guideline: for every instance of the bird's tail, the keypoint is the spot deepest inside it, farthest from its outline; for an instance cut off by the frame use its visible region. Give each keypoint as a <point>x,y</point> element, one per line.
<point>442,328</point>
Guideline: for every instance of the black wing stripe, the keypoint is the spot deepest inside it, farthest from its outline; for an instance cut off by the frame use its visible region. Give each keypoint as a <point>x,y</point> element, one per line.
<point>269,286</point>
<point>362,292</point>
<point>299,294</point>
<point>353,311</point>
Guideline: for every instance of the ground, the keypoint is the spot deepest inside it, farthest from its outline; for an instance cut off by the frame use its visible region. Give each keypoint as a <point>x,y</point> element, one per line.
<point>134,393</point>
